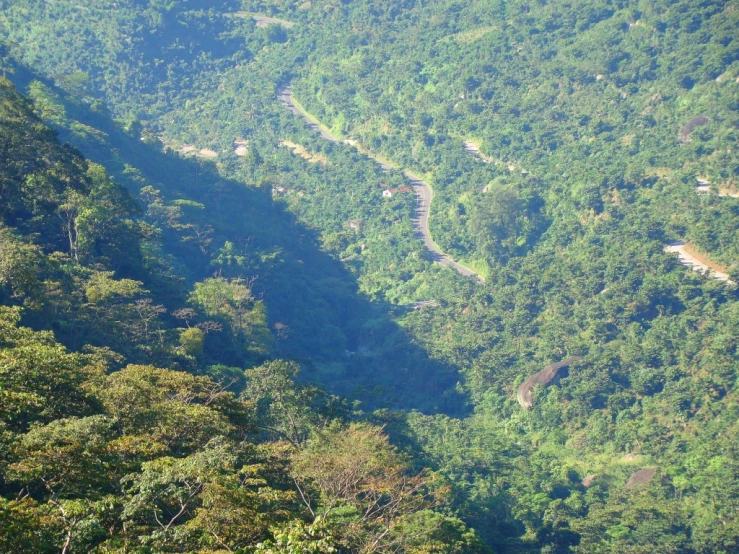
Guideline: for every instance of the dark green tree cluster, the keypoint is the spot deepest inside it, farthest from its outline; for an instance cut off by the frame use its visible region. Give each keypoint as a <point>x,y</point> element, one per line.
<point>99,454</point>
<point>594,121</point>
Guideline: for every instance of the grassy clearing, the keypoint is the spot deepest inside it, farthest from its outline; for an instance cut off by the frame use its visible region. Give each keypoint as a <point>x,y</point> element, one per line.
<point>480,267</point>
<point>314,119</point>
<point>301,151</point>
<point>264,21</point>
<point>466,37</point>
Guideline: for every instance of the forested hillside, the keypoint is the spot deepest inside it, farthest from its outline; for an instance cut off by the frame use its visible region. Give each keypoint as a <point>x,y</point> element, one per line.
<point>139,436</point>
<point>553,94</point>
<point>219,316</point>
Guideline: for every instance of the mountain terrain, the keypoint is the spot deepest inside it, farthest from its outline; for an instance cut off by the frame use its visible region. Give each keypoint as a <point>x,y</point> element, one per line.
<point>222,332</point>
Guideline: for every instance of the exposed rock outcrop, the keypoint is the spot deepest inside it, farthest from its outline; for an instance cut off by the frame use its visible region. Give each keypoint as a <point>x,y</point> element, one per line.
<point>690,126</point>
<point>641,477</point>
<point>589,480</point>
<point>545,377</point>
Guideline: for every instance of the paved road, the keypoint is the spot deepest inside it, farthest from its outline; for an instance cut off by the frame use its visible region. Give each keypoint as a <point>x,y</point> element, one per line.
<point>423,191</point>
<point>284,95</point>
<point>678,247</point>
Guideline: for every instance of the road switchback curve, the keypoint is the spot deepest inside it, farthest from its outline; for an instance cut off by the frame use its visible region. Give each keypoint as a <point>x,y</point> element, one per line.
<point>424,193</point>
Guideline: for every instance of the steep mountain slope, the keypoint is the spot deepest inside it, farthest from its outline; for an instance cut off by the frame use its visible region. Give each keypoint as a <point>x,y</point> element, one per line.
<point>100,454</point>
<point>587,167</point>
<point>581,98</point>
<point>144,55</point>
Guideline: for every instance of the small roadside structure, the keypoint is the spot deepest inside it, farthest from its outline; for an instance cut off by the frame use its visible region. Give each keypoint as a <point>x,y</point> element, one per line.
<point>547,376</point>
<point>388,193</point>
<point>205,153</point>
<point>355,225</point>
<point>688,256</point>
<point>703,186</point>
<point>471,147</point>
<point>641,477</point>
<point>421,304</point>
<point>301,151</point>
<point>474,149</point>
<point>263,21</point>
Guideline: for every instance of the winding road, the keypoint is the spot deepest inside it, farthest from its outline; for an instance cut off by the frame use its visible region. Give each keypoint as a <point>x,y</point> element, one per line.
<point>686,258</point>
<point>423,191</point>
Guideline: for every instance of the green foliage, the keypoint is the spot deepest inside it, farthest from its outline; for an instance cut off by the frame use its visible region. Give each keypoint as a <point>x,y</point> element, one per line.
<point>57,457</point>
<point>586,169</point>
<point>20,266</point>
<point>286,409</point>
<point>232,302</point>
<point>354,477</point>
<point>297,537</point>
<point>39,380</point>
<point>208,496</point>
<point>101,455</point>
<point>192,340</point>
<point>179,410</point>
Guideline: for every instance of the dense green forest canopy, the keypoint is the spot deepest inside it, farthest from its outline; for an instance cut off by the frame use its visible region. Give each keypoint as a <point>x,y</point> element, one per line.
<point>212,316</point>
<point>101,452</point>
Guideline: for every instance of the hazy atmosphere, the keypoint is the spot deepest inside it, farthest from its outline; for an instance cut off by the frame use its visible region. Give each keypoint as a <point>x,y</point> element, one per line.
<point>369,276</point>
